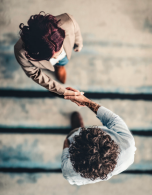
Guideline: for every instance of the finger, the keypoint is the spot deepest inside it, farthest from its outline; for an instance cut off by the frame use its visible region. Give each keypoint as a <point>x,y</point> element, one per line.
<point>73,93</point>
<point>83,105</point>
<point>75,90</point>
<point>75,102</point>
<point>70,88</point>
<point>70,97</point>
<point>79,93</point>
<point>76,49</point>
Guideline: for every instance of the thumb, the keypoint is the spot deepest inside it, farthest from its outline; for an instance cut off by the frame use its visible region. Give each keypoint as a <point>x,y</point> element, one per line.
<point>70,97</point>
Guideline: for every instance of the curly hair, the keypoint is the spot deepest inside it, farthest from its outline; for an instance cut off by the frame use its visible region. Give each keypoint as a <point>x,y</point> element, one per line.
<point>93,153</point>
<point>42,37</point>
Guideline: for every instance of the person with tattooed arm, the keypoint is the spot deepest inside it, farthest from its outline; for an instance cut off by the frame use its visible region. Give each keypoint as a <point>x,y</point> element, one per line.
<point>96,153</point>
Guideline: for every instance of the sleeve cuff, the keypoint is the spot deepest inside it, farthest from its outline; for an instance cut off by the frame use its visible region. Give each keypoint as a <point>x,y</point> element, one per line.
<point>61,91</point>
<point>101,111</point>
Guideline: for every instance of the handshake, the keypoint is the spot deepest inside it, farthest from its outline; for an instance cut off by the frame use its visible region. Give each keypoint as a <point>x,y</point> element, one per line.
<point>76,96</point>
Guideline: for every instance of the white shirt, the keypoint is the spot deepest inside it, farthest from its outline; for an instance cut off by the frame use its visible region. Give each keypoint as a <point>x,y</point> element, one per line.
<point>119,132</point>
<point>53,61</point>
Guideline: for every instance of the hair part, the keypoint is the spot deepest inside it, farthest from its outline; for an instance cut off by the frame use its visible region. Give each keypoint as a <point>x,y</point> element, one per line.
<point>93,153</point>
<point>41,37</point>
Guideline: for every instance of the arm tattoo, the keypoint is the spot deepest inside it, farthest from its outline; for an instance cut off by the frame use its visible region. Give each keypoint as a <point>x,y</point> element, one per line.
<point>93,106</point>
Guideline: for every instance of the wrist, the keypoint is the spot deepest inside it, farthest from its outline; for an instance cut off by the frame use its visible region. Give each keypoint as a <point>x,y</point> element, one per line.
<point>86,100</point>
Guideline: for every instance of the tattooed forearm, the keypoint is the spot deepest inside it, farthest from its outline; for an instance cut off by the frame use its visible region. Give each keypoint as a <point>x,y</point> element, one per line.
<point>92,105</point>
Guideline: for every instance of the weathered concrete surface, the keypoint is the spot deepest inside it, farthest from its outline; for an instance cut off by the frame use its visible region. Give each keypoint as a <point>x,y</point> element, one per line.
<point>116,58</point>
<point>31,151</point>
<point>44,151</point>
<point>55,184</point>
<point>111,20</point>
<point>56,112</point>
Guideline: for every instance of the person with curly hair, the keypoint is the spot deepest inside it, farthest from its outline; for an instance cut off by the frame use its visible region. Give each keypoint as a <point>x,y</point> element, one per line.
<point>96,153</point>
<point>46,43</point>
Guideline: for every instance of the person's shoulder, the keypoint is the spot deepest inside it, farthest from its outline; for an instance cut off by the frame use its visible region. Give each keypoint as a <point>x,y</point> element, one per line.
<point>65,17</point>
<point>125,142</point>
<point>19,51</point>
<point>18,47</point>
<point>124,139</point>
<point>66,22</point>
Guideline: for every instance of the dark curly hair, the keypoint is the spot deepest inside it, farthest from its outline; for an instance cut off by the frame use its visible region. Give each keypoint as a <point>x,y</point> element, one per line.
<point>42,37</point>
<point>93,153</point>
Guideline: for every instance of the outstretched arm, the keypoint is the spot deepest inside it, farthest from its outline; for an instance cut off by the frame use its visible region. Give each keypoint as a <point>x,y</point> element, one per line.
<point>38,75</point>
<point>107,117</point>
<point>85,101</point>
<point>92,105</point>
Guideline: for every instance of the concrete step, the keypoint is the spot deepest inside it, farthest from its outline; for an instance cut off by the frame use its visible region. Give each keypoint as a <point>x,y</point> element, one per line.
<point>116,57</point>
<point>101,66</point>
<point>44,151</point>
<point>55,113</point>
<point>55,184</point>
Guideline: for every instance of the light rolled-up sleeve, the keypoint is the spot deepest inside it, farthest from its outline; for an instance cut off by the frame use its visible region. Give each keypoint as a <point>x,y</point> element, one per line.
<point>113,121</point>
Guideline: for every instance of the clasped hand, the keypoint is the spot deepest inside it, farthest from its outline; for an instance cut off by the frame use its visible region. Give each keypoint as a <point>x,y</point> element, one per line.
<point>75,96</point>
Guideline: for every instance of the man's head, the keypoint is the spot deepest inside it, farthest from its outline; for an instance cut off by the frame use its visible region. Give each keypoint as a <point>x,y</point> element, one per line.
<point>42,37</point>
<point>93,153</point>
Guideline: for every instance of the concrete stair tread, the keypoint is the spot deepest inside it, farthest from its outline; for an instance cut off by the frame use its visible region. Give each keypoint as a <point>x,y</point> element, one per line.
<point>55,184</point>
<point>55,113</point>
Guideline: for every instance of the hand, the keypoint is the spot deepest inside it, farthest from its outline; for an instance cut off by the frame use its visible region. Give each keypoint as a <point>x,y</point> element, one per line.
<point>66,143</point>
<point>81,99</point>
<point>77,48</point>
<point>78,103</point>
<point>72,92</point>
